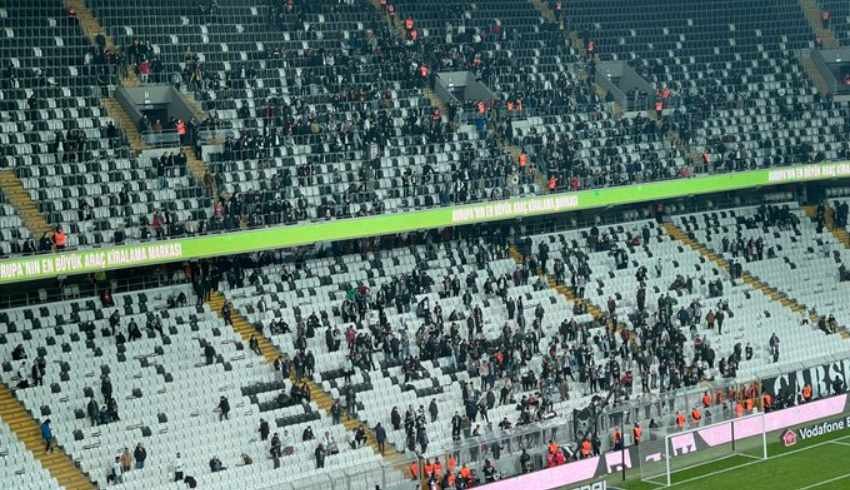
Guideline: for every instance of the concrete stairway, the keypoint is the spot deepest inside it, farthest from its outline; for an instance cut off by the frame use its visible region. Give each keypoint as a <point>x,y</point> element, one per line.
<point>545,11</point>
<point>565,291</point>
<point>120,116</point>
<point>814,74</point>
<point>196,107</point>
<point>749,279</point>
<point>91,28</point>
<point>813,16</point>
<point>27,429</point>
<point>435,101</point>
<point>396,23</point>
<point>26,208</point>
<point>322,398</point>
<point>514,151</point>
<point>840,234</point>
<point>198,168</point>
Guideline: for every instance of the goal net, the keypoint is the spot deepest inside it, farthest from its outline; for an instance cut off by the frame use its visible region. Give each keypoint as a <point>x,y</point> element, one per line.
<point>676,456</point>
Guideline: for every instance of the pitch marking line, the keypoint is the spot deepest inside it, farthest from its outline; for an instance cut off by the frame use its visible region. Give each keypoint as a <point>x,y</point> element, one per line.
<point>789,453</point>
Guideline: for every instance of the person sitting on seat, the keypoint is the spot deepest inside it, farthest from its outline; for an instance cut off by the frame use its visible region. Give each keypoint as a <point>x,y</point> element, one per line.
<point>215,465</point>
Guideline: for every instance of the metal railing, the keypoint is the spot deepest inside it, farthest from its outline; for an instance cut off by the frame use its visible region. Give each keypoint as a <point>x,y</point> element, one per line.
<point>161,138</point>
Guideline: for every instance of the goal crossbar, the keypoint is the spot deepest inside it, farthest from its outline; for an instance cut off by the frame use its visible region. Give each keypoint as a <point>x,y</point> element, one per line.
<point>707,439</point>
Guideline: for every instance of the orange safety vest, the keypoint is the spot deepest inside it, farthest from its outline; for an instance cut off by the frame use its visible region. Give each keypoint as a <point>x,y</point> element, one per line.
<point>696,416</point>
<point>408,23</point>
<point>451,464</point>
<point>553,447</point>
<point>523,160</point>
<point>617,437</point>
<point>465,473</point>
<point>414,470</point>
<point>585,448</point>
<point>553,183</point>
<point>59,238</point>
<point>429,469</point>
<point>706,400</point>
<point>680,421</point>
<point>807,392</point>
<point>636,434</point>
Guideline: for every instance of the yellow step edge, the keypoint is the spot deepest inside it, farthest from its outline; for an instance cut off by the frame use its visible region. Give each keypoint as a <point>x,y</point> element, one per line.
<point>752,281</point>
<point>58,464</point>
<point>322,398</point>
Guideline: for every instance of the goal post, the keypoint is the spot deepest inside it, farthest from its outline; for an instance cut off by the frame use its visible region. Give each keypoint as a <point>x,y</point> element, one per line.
<point>733,442</point>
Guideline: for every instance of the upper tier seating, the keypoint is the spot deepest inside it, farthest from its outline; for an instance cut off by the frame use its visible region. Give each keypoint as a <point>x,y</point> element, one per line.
<point>839,22</point>
<point>316,97</point>
<point>68,153</point>
<point>13,233</point>
<point>737,90</point>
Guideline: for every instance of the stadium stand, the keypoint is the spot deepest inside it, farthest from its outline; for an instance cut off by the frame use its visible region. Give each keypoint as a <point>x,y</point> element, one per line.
<point>839,19</point>
<point>472,347</point>
<point>737,98</point>
<point>157,382</point>
<point>309,105</point>
<point>411,288</point>
<point>20,469</point>
<point>403,314</point>
<point>783,246</point>
<point>66,153</point>
<point>12,229</point>
<point>343,125</point>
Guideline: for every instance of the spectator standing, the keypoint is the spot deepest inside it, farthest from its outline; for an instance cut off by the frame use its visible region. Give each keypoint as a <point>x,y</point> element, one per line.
<point>177,466</point>
<point>47,435</point>
<point>264,430</point>
<point>126,460</point>
<point>140,454</point>
<point>114,475</point>
<point>144,70</point>
<point>774,347</point>
<point>60,239</point>
<point>380,437</point>
<point>224,409</point>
